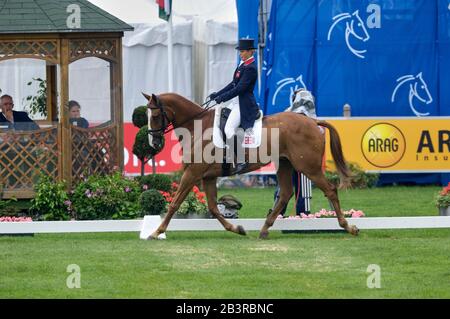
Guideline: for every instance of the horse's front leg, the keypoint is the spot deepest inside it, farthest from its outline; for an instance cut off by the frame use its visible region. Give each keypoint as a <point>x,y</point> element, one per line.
<point>187,182</point>
<point>209,184</point>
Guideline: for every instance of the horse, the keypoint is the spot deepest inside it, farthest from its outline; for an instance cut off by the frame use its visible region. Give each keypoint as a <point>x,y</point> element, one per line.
<point>301,147</point>
<point>418,89</point>
<point>354,26</point>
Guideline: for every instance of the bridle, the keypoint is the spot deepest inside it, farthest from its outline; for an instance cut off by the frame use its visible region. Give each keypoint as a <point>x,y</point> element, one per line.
<point>165,119</point>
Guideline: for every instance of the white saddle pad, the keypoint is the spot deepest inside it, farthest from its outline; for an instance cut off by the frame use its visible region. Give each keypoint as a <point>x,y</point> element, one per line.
<point>250,141</point>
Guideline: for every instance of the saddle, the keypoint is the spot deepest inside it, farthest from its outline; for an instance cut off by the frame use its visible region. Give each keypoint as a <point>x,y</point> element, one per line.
<point>220,140</point>
<point>220,120</point>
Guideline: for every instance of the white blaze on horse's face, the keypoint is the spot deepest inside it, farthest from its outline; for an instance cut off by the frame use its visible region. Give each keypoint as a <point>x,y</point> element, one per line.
<point>149,117</point>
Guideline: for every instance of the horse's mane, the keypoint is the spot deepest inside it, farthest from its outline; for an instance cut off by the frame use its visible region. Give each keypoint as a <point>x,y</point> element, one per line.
<point>174,97</point>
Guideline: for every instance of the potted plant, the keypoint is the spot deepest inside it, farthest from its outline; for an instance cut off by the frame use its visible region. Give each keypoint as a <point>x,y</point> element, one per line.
<point>443,201</point>
<point>194,205</point>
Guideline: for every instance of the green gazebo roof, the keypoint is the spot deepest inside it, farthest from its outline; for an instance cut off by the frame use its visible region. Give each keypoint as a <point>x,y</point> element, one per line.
<point>44,16</point>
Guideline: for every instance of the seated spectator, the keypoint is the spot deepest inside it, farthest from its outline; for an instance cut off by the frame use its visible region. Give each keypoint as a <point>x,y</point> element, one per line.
<point>74,115</point>
<point>14,119</point>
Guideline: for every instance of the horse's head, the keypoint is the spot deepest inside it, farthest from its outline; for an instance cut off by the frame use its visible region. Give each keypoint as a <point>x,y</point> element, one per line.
<point>158,121</point>
<point>420,90</point>
<point>357,27</point>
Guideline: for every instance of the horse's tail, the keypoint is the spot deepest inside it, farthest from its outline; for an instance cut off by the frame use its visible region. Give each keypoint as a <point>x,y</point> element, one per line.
<point>338,155</point>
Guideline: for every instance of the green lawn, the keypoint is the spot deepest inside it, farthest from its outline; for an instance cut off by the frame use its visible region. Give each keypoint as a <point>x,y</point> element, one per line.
<point>413,263</point>
<point>375,202</point>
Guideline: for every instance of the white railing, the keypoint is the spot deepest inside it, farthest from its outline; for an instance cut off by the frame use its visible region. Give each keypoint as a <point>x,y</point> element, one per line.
<point>149,224</point>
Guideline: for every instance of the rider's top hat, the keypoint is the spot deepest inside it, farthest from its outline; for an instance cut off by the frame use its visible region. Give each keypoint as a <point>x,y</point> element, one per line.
<point>246,44</point>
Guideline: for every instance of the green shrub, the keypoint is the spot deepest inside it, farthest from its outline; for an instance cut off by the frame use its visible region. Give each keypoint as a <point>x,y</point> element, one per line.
<point>6,207</point>
<point>159,182</point>
<point>152,202</point>
<point>51,201</point>
<point>360,179</point>
<point>106,197</point>
<point>139,117</point>
<point>142,149</point>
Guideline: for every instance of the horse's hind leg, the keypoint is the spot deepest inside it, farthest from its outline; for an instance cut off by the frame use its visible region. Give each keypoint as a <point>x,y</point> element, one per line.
<point>330,192</point>
<point>209,184</point>
<point>284,175</point>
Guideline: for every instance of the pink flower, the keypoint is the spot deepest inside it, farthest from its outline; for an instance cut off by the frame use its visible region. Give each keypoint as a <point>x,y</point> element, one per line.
<point>358,214</point>
<point>145,187</point>
<point>15,219</point>
<point>127,189</point>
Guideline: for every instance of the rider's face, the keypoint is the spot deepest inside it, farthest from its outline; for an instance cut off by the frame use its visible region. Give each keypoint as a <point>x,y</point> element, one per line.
<point>245,54</point>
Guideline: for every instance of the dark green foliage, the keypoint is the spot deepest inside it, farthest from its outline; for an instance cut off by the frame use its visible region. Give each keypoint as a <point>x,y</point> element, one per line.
<point>139,117</point>
<point>38,103</point>
<point>360,179</point>
<point>141,147</point>
<point>159,182</point>
<point>106,197</point>
<point>152,202</point>
<point>51,200</point>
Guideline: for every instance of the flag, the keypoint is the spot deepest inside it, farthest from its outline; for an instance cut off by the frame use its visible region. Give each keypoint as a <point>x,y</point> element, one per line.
<point>165,9</point>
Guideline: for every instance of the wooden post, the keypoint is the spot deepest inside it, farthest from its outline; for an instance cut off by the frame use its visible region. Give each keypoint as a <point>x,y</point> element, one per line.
<point>66,143</point>
<point>118,96</point>
<point>52,107</point>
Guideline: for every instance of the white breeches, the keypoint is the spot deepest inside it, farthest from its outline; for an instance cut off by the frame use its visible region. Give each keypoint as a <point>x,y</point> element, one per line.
<point>234,120</point>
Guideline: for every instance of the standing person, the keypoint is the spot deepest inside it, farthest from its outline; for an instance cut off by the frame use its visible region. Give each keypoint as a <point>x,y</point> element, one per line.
<point>15,119</point>
<point>303,102</point>
<point>75,115</point>
<point>244,110</point>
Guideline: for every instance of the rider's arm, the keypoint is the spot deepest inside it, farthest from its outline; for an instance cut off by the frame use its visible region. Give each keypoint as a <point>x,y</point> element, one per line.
<point>225,89</point>
<point>248,78</point>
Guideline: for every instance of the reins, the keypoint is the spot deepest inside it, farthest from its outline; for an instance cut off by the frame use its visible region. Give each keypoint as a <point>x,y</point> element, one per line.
<point>165,130</point>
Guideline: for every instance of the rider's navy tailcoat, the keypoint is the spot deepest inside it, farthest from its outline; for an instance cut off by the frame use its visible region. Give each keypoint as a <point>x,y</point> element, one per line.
<point>244,80</point>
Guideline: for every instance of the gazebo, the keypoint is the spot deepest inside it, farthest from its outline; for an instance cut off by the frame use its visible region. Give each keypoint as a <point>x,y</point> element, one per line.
<point>60,32</point>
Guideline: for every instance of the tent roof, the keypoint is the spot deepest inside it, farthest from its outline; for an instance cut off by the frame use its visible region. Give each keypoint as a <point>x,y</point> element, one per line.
<point>48,16</point>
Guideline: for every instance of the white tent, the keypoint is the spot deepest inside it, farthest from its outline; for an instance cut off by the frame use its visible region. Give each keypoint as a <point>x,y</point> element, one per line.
<point>204,37</point>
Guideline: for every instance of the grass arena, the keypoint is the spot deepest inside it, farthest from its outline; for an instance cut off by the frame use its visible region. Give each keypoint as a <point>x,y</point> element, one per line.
<point>413,263</point>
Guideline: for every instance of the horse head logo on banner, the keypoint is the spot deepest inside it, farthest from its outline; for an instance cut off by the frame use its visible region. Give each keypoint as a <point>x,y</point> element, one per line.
<point>356,29</point>
<point>418,90</point>
<point>292,84</point>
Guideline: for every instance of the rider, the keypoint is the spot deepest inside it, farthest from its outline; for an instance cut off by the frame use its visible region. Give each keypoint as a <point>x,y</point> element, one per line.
<point>244,111</point>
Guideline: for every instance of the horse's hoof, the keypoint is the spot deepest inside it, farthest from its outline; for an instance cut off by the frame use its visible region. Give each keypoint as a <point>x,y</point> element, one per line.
<point>240,230</point>
<point>264,235</point>
<point>153,236</point>
<point>354,230</point>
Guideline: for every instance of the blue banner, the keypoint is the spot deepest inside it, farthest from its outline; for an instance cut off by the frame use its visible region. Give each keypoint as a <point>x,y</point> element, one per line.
<point>379,56</point>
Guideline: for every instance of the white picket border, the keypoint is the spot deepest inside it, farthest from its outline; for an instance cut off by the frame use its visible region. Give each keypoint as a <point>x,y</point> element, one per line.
<point>152,222</point>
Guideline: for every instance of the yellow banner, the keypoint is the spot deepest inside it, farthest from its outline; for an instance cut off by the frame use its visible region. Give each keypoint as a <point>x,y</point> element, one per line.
<point>395,144</point>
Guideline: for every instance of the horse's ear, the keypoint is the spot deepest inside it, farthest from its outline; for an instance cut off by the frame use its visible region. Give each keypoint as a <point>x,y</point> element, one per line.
<point>155,99</point>
<point>148,97</point>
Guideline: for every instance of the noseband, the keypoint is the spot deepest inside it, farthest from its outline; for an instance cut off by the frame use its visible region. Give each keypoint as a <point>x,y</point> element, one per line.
<point>165,119</point>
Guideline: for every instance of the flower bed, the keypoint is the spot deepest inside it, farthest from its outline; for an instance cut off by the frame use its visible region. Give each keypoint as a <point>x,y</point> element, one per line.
<point>15,219</point>
<point>442,199</point>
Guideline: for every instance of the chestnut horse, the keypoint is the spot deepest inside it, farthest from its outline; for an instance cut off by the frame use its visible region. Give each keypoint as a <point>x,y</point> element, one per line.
<point>301,147</point>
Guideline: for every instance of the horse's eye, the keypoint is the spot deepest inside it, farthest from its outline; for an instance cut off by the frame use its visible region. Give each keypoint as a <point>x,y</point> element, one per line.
<point>423,86</point>
<point>359,24</point>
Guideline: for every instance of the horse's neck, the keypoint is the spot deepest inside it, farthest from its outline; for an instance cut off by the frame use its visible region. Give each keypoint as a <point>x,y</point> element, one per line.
<point>184,111</point>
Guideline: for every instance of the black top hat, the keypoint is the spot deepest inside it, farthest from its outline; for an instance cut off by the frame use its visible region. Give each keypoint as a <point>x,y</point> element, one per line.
<point>246,44</point>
